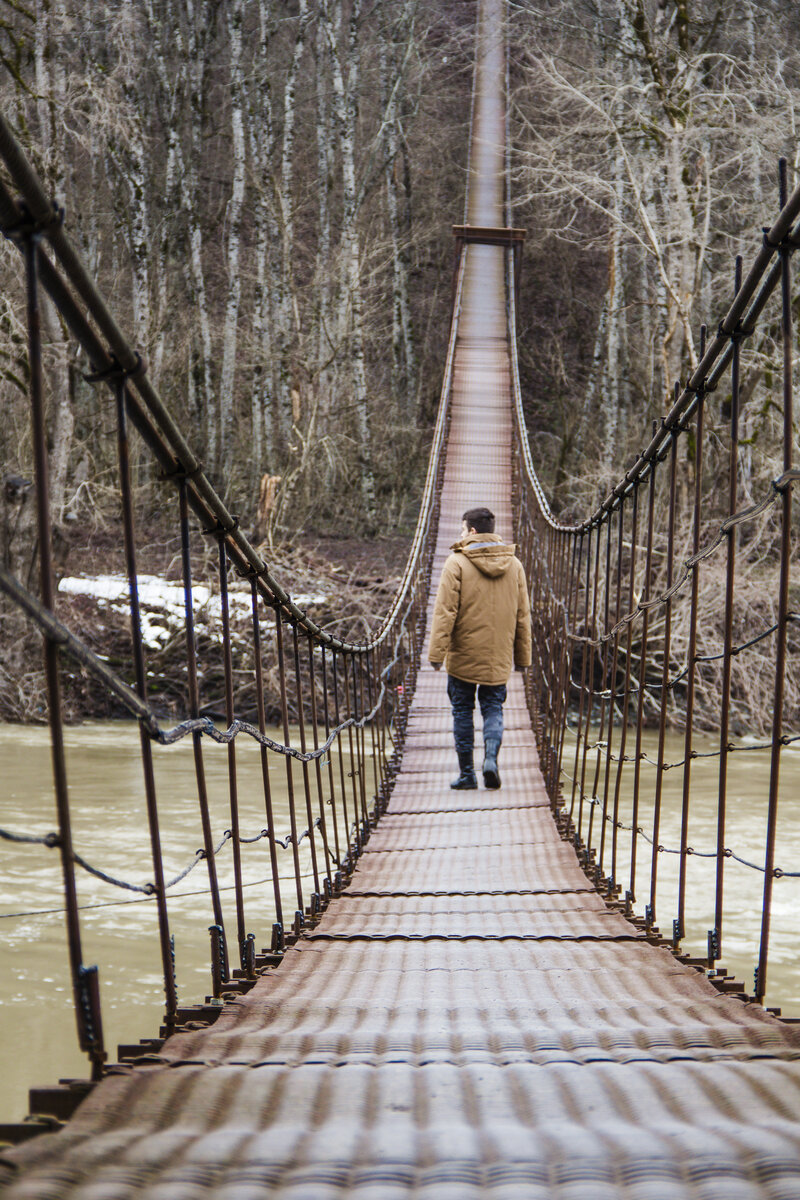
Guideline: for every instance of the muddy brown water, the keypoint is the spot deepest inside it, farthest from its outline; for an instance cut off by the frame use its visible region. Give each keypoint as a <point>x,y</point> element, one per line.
<point>37,1027</point>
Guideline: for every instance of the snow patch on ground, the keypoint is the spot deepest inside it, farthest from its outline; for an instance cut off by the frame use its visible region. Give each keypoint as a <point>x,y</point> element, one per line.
<point>162,603</point>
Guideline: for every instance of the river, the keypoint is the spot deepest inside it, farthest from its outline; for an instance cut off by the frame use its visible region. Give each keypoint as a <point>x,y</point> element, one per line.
<point>37,1039</point>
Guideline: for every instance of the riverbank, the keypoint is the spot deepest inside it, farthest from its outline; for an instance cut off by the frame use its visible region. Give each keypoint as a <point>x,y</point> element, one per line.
<point>345,584</point>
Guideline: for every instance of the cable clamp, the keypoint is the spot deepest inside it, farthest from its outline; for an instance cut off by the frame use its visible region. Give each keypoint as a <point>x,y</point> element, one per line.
<point>116,371</point>
<point>248,573</point>
<point>788,243</point>
<point>180,472</point>
<point>701,388</point>
<point>28,227</point>
<point>219,530</point>
<point>736,335</point>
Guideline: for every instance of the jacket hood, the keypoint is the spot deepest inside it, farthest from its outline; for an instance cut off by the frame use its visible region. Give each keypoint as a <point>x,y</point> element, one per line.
<point>487,552</point>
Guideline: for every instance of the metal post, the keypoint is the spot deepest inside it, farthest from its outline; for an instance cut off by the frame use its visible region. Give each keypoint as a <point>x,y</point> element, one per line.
<point>233,791</point>
<point>783,603</point>
<point>262,727</point>
<point>665,669</point>
<point>197,737</point>
<point>644,604</point>
<point>680,925</point>
<point>623,742</point>
<point>84,979</point>
<point>715,934</point>
<point>140,668</point>
<point>288,759</point>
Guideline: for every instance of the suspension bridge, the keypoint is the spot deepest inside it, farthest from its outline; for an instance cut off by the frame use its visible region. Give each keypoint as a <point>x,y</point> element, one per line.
<point>468,1001</point>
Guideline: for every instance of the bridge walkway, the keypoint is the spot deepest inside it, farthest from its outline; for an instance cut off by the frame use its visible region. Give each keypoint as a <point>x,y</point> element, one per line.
<point>470,1018</point>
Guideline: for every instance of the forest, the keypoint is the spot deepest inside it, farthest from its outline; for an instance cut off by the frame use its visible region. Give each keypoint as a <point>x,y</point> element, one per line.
<point>265,189</point>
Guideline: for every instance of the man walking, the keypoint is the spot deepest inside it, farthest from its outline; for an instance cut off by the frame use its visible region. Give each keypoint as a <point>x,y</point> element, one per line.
<point>481,628</point>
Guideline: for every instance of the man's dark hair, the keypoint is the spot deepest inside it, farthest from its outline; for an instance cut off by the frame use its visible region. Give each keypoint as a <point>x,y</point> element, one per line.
<point>479,519</point>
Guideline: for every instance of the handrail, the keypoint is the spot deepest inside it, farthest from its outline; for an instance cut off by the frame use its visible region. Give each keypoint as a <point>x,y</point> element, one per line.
<point>604,665</point>
<point>345,697</point>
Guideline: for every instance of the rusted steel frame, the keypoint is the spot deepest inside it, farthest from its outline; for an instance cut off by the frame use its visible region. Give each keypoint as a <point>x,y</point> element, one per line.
<point>601,736</point>
<point>715,934</point>
<point>323,824</point>
<point>262,728</point>
<point>84,979</point>
<point>623,741</point>
<point>140,668</point>
<point>679,930</point>
<point>665,690</point>
<point>288,760</point>
<point>590,633</point>
<point>571,617</point>
<point>347,823</point>
<point>783,606</point>
<point>301,719</point>
<point>645,596</point>
<point>612,688</point>
<point>197,739</point>
<point>233,791</point>
<point>327,711</point>
<point>582,700</point>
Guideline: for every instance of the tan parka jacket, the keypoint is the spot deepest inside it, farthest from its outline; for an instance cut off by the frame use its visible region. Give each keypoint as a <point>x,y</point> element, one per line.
<point>482,617</point>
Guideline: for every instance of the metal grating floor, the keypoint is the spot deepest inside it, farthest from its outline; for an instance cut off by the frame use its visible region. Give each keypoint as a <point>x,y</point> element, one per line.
<point>469,1020</point>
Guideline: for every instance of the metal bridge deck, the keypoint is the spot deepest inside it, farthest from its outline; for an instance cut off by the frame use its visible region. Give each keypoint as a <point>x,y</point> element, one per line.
<point>469,1019</point>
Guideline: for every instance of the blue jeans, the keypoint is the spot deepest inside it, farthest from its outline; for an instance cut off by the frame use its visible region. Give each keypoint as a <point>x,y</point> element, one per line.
<point>491,697</point>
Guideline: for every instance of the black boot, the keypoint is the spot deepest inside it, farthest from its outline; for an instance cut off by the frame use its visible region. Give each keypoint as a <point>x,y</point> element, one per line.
<point>467,780</point>
<point>491,773</point>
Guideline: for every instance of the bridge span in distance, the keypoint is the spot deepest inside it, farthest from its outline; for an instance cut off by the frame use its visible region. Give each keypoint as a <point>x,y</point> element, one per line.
<point>472,1008</point>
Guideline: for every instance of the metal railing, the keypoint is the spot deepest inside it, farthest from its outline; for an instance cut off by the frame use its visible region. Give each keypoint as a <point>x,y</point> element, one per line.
<point>607,594</point>
<point>348,701</point>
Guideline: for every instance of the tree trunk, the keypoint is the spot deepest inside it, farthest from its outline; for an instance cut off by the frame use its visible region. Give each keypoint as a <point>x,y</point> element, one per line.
<point>234,12</point>
<point>199,18</point>
<point>403,358</point>
<point>286,322</point>
<point>346,106</point>
<point>261,144</point>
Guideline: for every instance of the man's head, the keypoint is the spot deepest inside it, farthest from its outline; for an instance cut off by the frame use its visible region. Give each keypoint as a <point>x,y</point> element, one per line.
<point>478,520</point>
